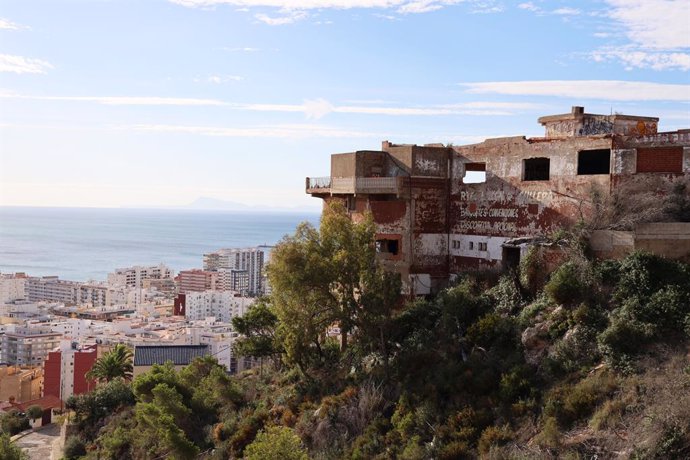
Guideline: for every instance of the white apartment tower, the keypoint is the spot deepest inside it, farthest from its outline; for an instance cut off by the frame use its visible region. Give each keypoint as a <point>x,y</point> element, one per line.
<point>252,260</point>
<point>222,305</point>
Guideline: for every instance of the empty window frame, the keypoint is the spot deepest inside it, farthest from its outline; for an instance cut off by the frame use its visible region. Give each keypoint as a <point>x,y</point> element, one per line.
<point>535,169</point>
<point>471,245</point>
<point>591,162</point>
<point>482,246</point>
<point>388,246</point>
<point>475,173</point>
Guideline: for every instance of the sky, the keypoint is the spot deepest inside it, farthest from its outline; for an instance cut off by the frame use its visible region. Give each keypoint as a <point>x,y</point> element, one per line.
<point>131,103</point>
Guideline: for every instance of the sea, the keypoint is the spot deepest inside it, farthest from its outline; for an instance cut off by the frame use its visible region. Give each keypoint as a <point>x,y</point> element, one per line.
<point>81,244</point>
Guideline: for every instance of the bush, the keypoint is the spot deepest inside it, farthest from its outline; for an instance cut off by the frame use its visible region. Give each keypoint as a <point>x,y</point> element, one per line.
<point>569,403</point>
<point>550,435</point>
<point>493,437</point>
<point>13,422</point>
<point>9,451</point>
<point>567,285</point>
<point>74,448</point>
<point>276,443</point>
<point>533,274</point>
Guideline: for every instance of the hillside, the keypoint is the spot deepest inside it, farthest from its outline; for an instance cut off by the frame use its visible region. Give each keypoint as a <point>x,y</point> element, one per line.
<point>574,360</point>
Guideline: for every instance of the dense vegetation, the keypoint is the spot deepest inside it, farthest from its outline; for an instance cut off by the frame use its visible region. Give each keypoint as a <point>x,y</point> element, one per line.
<point>556,360</point>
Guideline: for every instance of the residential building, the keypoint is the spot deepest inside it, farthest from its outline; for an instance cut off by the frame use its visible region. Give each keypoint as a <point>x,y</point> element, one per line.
<point>250,259</point>
<point>197,280</point>
<point>12,287</point>
<point>27,346</point>
<point>52,289</point>
<point>145,356</point>
<point>441,210</point>
<point>64,370</point>
<point>221,305</point>
<point>230,279</point>
<point>135,276</point>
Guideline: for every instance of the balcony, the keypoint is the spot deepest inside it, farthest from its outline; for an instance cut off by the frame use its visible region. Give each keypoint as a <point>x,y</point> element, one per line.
<point>353,185</point>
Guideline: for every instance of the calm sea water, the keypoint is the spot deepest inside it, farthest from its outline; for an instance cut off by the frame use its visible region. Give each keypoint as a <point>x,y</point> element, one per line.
<point>81,244</point>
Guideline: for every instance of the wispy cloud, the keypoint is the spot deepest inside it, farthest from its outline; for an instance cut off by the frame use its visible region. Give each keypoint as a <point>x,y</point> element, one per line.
<point>243,49</point>
<point>121,100</point>
<point>288,18</point>
<point>311,108</point>
<point>604,90</point>
<point>218,79</point>
<point>6,24</point>
<point>633,57</point>
<point>291,131</point>
<point>21,64</point>
<point>657,34</point>
<point>566,11</point>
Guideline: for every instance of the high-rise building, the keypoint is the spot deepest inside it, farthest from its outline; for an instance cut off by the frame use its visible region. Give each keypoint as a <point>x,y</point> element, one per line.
<point>250,259</point>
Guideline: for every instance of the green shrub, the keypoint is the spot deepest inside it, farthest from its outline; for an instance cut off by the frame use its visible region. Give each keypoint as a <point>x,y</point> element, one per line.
<point>494,436</point>
<point>569,403</point>
<point>456,450</point>
<point>533,274</point>
<point>276,443</point>
<point>12,422</point>
<point>74,448</point>
<point>607,415</point>
<point>567,285</point>
<point>506,295</point>
<point>515,384</point>
<point>550,435</point>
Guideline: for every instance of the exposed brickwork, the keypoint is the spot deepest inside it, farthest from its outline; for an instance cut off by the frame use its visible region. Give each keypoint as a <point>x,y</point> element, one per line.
<point>660,159</point>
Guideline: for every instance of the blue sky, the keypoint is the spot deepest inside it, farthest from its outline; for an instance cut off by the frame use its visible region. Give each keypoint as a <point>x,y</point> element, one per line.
<point>159,102</point>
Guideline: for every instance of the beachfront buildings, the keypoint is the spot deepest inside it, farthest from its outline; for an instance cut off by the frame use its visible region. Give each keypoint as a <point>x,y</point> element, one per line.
<point>221,305</point>
<point>135,276</point>
<point>441,210</point>
<point>12,287</point>
<point>250,260</point>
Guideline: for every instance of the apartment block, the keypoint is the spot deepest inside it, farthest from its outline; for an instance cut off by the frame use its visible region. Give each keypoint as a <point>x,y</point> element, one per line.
<point>52,289</point>
<point>197,280</point>
<point>221,305</point>
<point>12,287</point>
<point>251,260</point>
<point>27,346</point>
<point>135,276</point>
<point>64,370</point>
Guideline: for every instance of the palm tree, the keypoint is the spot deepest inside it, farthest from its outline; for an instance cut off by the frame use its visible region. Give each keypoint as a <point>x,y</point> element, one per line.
<point>117,363</point>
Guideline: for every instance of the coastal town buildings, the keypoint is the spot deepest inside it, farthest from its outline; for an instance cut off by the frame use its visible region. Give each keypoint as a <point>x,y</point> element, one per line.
<point>136,276</point>
<point>197,280</point>
<point>441,210</point>
<point>27,346</point>
<point>64,370</point>
<point>251,260</point>
<point>221,305</point>
<point>12,287</point>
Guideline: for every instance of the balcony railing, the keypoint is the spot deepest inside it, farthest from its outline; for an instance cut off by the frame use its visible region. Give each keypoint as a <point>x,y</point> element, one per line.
<point>353,184</point>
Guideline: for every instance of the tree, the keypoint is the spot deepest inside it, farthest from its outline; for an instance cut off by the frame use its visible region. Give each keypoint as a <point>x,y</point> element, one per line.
<point>34,412</point>
<point>276,443</point>
<point>327,277</point>
<point>258,326</point>
<point>9,451</point>
<point>117,363</point>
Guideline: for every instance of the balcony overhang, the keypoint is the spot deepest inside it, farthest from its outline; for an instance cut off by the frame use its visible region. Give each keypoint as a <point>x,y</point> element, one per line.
<point>353,185</point>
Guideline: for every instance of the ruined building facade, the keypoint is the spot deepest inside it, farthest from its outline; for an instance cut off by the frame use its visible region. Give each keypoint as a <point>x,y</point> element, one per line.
<point>441,210</point>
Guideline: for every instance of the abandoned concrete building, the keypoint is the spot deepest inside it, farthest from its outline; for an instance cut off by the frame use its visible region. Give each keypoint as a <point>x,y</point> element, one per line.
<point>441,210</point>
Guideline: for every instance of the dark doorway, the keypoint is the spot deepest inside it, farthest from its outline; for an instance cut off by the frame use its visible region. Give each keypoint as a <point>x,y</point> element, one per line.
<point>593,162</point>
<point>511,258</point>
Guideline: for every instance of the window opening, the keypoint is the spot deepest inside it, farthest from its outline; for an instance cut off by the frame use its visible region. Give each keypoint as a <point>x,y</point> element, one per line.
<point>482,246</point>
<point>475,173</point>
<point>386,246</point>
<point>536,169</point>
<point>593,162</point>
<point>471,245</point>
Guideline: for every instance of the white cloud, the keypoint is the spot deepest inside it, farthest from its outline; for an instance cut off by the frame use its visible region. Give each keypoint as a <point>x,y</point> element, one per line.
<point>633,57</point>
<point>121,100</point>
<point>20,64</point>
<point>244,49</point>
<point>6,24</point>
<point>657,24</point>
<point>289,18</point>
<point>529,6</point>
<point>292,131</point>
<point>604,90</point>
<point>311,108</point>
<point>218,79</point>
<point>566,11</point>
